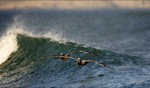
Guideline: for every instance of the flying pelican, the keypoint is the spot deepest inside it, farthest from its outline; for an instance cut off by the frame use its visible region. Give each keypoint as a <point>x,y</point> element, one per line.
<point>84,62</point>
<point>81,62</point>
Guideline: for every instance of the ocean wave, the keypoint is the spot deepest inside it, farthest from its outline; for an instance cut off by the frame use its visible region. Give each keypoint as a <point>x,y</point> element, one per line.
<point>29,64</point>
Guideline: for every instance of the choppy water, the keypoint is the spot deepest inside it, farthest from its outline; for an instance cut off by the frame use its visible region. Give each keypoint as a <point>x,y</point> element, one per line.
<point>120,38</point>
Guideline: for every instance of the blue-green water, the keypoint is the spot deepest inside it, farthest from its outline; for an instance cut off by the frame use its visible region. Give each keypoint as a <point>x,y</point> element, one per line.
<point>120,38</point>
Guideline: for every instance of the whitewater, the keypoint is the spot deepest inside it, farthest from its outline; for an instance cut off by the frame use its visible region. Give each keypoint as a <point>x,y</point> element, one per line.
<point>119,38</point>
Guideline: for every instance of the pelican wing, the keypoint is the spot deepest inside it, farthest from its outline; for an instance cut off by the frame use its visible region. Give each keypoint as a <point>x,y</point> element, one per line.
<point>53,57</point>
<point>103,65</point>
<point>57,57</point>
<point>99,63</point>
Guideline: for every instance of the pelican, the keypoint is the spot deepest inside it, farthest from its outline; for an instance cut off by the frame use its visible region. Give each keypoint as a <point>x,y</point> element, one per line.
<point>84,62</point>
<point>81,62</point>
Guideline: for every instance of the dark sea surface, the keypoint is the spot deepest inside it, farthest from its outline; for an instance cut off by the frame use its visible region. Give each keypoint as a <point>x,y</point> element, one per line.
<point>120,38</point>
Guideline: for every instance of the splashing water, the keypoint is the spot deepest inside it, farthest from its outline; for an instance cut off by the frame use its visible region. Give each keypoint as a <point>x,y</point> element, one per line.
<point>8,44</point>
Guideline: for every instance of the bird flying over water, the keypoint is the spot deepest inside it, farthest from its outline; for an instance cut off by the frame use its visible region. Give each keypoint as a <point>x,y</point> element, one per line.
<point>81,62</point>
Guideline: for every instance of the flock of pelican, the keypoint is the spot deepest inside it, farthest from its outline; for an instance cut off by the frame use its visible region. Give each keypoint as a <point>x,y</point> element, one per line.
<point>80,62</point>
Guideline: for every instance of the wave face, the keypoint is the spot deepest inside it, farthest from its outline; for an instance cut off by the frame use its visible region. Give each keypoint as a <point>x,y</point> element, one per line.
<point>27,67</point>
<point>29,36</point>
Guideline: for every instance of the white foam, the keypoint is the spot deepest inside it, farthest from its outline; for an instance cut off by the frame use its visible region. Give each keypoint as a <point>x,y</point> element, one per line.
<point>56,36</point>
<point>8,44</point>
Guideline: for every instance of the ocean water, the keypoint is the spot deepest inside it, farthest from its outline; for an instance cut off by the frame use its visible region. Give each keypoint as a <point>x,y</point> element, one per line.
<point>120,38</point>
